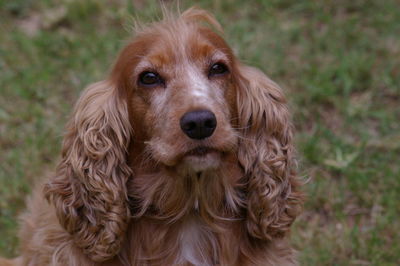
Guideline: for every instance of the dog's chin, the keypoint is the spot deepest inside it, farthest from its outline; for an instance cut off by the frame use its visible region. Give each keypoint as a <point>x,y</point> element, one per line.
<point>201,159</point>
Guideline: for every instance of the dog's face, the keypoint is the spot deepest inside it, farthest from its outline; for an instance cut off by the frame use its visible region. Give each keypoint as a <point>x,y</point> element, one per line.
<point>182,97</point>
<point>177,103</point>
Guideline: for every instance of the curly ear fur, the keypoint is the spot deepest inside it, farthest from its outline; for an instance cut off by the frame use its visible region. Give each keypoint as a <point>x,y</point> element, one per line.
<point>89,188</point>
<point>266,154</point>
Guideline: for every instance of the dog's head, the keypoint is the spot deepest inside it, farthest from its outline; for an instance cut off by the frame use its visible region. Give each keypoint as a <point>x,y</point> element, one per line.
<point>177,102</point>
<point>179,78</point>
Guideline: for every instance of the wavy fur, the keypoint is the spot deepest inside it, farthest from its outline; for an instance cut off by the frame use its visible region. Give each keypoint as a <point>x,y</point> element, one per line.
<point>89,188</point>
<point>266,154</point>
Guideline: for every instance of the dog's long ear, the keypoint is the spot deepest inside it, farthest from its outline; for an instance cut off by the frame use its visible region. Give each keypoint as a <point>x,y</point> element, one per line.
<point>89,188</point>
<point>266,154</point>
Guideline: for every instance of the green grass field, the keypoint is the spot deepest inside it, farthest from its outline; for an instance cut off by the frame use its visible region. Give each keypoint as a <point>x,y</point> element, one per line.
<point>338,62</point>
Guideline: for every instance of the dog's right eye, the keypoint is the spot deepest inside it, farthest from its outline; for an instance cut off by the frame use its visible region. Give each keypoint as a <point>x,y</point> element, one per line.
<point>150,79</point>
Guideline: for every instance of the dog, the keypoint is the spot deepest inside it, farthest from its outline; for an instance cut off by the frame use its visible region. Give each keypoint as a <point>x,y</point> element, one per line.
<point>182,156</point>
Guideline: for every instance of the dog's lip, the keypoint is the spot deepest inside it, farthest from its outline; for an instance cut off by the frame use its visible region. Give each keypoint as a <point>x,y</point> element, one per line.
<point>200,151</point>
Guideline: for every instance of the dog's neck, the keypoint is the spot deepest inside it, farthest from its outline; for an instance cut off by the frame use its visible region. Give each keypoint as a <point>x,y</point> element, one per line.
<point>183,216</point>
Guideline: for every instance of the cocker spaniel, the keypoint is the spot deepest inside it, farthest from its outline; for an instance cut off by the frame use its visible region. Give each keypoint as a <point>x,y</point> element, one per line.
<point>182,156</point>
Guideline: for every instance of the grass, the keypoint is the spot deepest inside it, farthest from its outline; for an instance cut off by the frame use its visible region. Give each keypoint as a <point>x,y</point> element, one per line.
<point>338,62</point>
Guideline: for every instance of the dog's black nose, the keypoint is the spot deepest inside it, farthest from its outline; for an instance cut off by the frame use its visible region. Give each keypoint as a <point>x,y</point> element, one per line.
<point>198,124</point>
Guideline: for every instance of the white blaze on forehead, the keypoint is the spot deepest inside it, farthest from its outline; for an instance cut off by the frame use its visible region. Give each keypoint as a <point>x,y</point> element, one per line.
<point>198,86</point>
<point>199,83</point>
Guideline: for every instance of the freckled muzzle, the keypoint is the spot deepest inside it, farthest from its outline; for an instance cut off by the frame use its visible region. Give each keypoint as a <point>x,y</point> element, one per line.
<point>199,124</point>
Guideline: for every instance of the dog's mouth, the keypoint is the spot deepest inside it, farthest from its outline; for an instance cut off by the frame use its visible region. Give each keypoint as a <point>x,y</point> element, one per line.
<point>202,158</point>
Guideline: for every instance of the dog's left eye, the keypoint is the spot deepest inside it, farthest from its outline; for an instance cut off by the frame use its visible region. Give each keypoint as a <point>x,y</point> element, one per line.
<point>150,79</point>
<point>217,69</point>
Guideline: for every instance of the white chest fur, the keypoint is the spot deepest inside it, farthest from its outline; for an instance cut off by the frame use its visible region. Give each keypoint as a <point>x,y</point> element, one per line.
<point>198,245</point>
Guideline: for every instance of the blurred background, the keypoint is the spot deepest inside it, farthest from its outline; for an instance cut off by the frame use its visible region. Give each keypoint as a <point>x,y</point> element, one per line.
<point>338,62</point>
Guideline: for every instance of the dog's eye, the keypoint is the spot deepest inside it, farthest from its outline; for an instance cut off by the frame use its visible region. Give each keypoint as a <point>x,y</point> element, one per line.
<point>217,69</point>
<point>150,79</point>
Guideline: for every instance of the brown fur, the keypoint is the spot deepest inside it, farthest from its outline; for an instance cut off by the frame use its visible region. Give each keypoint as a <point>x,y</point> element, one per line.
<point>126,192</point>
